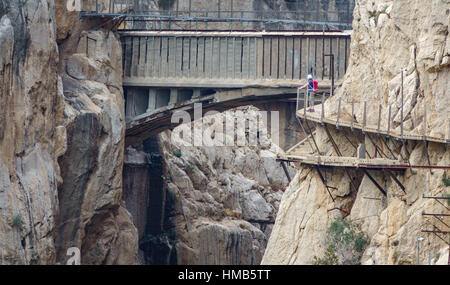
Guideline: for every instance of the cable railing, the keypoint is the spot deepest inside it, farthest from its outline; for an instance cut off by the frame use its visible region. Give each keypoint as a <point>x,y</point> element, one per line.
<point>139,18</point>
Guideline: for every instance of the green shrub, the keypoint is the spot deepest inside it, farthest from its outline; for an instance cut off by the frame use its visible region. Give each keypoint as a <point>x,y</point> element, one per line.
<point>189,168</point>
<point>436,257</point>
<point>177,153</point>
<point>346,243</point>
<point>447,195</point>
<point>18,221</point>
<point>329,258</point>
<point>446,181</point>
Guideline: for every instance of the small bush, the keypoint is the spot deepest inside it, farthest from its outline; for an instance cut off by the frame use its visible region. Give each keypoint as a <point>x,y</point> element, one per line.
<point>18,221</point>
<point>177,153</point>
<point>189,168</point>
<point>447,195</point>
<point>446,181</point>
<point>329,258</point>
<point>436,257</point>
<point>346,243</point>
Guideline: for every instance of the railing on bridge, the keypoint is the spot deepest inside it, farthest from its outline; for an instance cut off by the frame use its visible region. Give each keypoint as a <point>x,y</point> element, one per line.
<point>220,15</point>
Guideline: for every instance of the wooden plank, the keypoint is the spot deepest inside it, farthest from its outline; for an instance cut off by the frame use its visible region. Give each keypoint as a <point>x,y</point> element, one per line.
<point>334,50</point>
<point>275,57</point>
<point>230,57</point>
<point>179,57</point>
<point>209,49</point>
<point>217,55</point>
<point>142,56</point>
<point>245,58</point>
<point>267,57</point>
<point>297,58</point>
<point>128,55</point>
<point>135,57</point>
<point>186,55</point>
<point>347,53</point>
<point>282,57</point>
<point>320,57</point>
<point>289,57</point>
<point>305,58</point>
<point>157,56</point>
<point>164,54</point>
<point>201,57</point>
<point>172,56</point>
<point>327,66</point>
<point>238,65</point>
<point>259,58</point>
<point>193,57</point>
<point>340,58</point>
<point>148,61</point>
<point>223,65</point>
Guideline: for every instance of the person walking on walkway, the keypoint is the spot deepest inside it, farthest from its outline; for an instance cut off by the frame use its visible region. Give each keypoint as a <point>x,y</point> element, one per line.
<point>311,84</point>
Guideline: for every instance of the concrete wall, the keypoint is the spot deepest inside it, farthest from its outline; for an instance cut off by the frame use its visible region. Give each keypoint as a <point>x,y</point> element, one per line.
<point>230,60</point>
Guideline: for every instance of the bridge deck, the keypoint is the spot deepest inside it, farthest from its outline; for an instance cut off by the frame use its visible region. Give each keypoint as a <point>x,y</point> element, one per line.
<point>353,162</point>
<point>381,127</point>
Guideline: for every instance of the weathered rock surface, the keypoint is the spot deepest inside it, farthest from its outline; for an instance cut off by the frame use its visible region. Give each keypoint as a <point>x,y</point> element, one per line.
<point>220,202</point>
<point>387,36</point>
<point>61,141</point>
<point>29,136</point>
<point>91,216</point>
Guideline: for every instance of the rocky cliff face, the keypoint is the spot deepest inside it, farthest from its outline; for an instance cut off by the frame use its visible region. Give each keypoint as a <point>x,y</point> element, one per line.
<point>91,217</point>
<point>387,36</point>
<point>61,140</point>
<point>31,132</point>
<point>218,204</point>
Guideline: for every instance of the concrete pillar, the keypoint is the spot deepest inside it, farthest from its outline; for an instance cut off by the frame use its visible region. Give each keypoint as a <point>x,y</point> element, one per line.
<point>129,112</point>
<point>151,100</point>
<point>173,96</point>
<point>196,93</point>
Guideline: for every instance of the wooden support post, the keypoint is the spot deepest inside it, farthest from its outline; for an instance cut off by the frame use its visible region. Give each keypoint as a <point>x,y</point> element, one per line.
<point>353,113</point>
<point>286,171</point>
<point>322,114</point>
<point>401,111</point>
<point>305,103</point>
<point>395,179</point>
<point>324,182</point>
<point>339,112</point>
<point>195,93</point>
<point>364,116</point>
<point>424,120</point>
<point>151,100</point>
<point>374,181</point>
<point>173,96</point>
<point>379,118</point>
<point>389,121</point>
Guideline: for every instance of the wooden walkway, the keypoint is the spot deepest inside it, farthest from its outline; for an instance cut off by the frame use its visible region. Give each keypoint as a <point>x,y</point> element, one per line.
<point>382,127</point>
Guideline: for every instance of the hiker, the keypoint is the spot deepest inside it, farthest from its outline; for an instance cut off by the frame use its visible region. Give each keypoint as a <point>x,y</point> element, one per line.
<point>312,87</point>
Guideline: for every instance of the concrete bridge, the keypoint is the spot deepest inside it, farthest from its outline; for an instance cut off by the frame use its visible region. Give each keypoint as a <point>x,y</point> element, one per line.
<point>168,70</point>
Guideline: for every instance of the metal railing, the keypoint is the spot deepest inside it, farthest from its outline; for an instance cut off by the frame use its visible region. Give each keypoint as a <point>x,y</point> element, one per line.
<point>141,18</point>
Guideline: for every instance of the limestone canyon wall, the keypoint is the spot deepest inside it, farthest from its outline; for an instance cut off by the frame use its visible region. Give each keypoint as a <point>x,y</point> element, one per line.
<point>61,139</point>
<point>387,36</point>
<point>218,204</point>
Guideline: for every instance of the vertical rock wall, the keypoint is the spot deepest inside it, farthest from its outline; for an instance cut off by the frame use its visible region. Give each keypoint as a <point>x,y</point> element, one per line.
<point>91,216</point>
<point>31,135</point>
<point>61,139</point>
<point>216,205</point>
<point>387,36</point>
